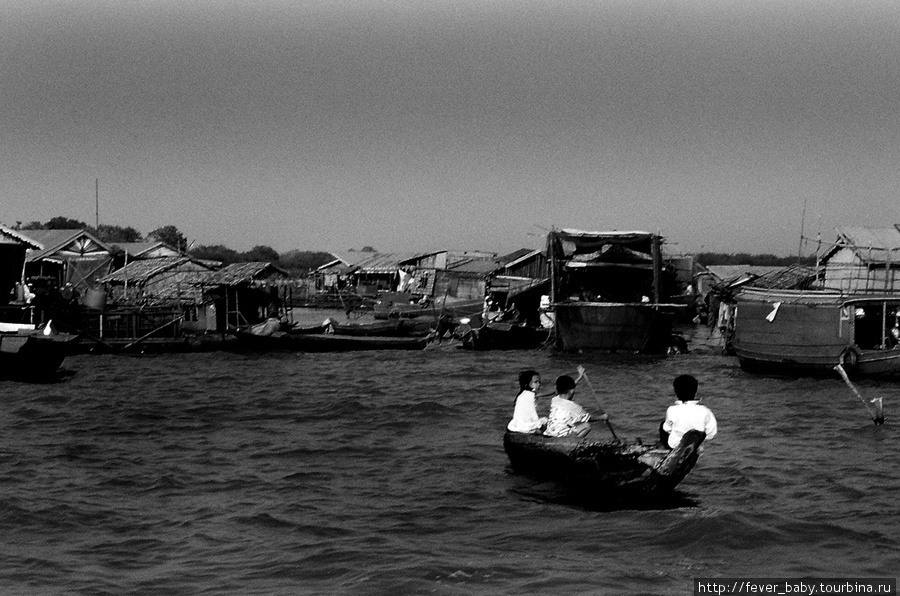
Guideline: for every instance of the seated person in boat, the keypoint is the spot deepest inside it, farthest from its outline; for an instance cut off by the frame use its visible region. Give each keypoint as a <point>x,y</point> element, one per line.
<point>566,417</point>
<point>525,417</point>
<point>687,414</point>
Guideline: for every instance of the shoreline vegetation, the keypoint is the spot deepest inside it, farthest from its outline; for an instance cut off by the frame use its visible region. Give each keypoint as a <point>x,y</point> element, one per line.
<point>302,262</point>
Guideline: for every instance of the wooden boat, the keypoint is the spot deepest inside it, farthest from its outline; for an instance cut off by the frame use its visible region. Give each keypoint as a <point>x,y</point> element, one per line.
<point>325,342</point>
<point>420,326</point>
<point>809,332</point>
<point>608,291</point>
<point>608,469</point>
<point>391,305</point>
<point>32,355</point>
<point>308,329</point>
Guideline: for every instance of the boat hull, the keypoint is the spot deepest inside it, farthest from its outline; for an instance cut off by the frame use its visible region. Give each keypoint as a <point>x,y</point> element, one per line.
<point>809,333</point>
<point>32,356</point>
<point>607,468</point>
<point>504,336</point>
<point>612,327</point>
<point>414,327</point>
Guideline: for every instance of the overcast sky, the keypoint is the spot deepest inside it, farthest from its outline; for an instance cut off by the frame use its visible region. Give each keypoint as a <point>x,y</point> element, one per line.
<point>432,124</point>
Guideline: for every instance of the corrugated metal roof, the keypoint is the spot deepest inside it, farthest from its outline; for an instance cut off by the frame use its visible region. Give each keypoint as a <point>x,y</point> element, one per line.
<point>381,262</point>
<point>16,237</point>
<point>474,266</point>
<point>878,245</point>
<point>53,241</point>
<point>511,258</point>
<point>367,262</point>
<point>139,248</point>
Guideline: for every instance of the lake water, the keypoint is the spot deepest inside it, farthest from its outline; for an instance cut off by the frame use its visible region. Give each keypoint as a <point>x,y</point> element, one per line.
<point>384,473</point>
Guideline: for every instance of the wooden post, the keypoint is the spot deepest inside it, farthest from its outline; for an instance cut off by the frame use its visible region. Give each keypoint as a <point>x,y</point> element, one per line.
<point>657,267</point>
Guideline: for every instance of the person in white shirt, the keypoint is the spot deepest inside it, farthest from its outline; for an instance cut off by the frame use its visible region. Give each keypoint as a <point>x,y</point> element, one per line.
<point>525,417</point>
<point>687,414</point>
<point>566,417</point>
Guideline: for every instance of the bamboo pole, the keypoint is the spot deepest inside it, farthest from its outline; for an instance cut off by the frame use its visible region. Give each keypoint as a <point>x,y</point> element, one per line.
<point>146,335</point>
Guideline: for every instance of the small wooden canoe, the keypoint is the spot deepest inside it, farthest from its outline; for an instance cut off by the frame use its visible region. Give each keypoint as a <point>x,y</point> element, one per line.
<point>608,468</point>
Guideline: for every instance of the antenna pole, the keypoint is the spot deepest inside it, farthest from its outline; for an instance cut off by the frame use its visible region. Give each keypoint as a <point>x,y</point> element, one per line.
<point>802,226</point>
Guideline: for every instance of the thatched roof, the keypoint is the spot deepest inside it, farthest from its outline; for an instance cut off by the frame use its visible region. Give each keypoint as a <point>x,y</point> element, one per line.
<point>250,273</point>
<point>141,271</point>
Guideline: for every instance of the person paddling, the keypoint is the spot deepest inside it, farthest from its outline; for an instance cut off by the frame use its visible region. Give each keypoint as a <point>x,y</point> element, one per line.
<point>687,414</point>
<point>567,417</point>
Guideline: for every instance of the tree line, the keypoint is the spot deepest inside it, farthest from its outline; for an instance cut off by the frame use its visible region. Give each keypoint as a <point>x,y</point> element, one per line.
<point>295,261</point>
<point>717,258</point>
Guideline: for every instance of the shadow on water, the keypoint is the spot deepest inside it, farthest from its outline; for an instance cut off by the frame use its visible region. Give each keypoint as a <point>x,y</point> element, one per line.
<point>584,497</point>
<point>61,375</point>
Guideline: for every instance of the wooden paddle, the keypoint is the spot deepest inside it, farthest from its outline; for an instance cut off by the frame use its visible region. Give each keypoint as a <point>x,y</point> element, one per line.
<point>600,406</point>
<point>878,416</point>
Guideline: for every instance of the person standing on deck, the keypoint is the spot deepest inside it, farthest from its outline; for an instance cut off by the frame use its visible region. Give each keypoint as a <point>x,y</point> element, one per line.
<point>687,414</point>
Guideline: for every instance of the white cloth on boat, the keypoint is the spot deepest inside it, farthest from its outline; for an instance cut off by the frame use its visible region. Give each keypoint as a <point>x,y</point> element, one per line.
<point>688,415</point>
<point>525,417</point>
<point>564,415</point>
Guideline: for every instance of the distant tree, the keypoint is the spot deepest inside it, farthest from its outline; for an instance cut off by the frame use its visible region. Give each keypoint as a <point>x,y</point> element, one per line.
<point>65,223</point>
<point>367,249</point>
<point>170,235</point>
<point>742,258</point>
<point>302,262</point>
<point>260,253</point>
<point>33,225</point>
<point>108,233</point>
<point>215,253</point>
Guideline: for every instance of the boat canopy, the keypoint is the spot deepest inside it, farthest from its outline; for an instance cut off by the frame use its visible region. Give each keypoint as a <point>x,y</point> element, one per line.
<point>577,242</point>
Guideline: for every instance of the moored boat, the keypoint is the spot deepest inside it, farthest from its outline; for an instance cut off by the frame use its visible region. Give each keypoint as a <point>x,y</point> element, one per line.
<point>809,332</point>
<point>419,326</point>
<point>391,305</point>
<point>608,469</point>
<point>608,291</point>
<point>32,355</point>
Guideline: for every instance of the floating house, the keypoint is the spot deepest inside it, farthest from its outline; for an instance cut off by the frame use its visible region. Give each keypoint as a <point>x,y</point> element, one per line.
<point>13,248</point>
<point>367,272</point>
<point>74,257</point>
<point>450,275</point>
<point>608,291</point>
<point>863,260</point>
<point>846,312</point>
<point>156,281</point>
<point>243,294</point>
<point>518,282</point>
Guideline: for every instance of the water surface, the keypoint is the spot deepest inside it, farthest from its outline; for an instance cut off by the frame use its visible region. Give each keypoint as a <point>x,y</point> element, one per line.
<point>384,473</point>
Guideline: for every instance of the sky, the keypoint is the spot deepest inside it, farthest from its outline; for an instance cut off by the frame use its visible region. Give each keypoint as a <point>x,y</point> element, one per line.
<point>726,126</point>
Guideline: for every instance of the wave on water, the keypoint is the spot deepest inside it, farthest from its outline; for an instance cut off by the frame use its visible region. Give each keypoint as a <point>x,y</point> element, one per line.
<point>385,473</point>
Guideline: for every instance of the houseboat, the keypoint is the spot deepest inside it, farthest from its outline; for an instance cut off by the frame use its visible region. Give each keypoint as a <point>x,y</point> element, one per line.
<point>810,332</point>
<point>846,311</point>
<point>608,291</point>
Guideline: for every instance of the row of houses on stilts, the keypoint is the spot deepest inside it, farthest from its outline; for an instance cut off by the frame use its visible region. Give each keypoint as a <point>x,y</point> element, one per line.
<point>150,292</point>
